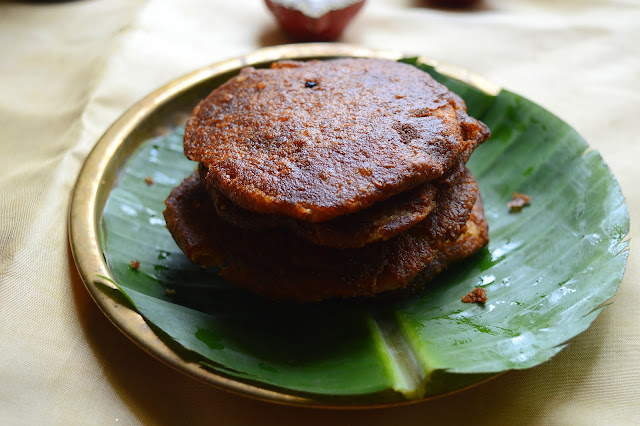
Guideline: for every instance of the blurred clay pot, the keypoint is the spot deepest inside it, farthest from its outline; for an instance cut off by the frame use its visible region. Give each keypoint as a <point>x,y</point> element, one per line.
<point>314,20</point>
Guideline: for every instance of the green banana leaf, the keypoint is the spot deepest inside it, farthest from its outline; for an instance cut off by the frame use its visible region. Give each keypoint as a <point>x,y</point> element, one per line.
<point>547,270</point>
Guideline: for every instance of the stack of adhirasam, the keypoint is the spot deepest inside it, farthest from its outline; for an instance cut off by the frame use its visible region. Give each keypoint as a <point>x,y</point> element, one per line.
<point>329,179</point>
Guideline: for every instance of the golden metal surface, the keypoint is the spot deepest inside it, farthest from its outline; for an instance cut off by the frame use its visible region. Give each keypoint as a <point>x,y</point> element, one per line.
<point>160,111</point>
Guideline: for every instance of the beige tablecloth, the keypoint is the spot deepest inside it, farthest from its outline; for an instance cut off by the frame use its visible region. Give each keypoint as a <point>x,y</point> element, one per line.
<point>69,69</point>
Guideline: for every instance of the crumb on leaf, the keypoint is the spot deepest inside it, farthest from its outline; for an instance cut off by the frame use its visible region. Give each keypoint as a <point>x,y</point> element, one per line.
<point>518,202</point>
<point>477,295</point>
<point>135,264</point>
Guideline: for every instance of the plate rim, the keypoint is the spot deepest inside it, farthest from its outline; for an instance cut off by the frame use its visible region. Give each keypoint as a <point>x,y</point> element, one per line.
<point>97,178</point>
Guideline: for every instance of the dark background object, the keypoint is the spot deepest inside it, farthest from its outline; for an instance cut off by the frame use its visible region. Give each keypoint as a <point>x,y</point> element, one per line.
<point>303,27</point>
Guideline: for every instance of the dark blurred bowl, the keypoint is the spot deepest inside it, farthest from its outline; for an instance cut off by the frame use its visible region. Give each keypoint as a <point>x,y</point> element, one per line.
<point>305,27</point>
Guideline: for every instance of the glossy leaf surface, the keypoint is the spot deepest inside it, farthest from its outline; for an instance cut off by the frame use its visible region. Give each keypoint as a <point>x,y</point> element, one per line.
<point>547,270</point>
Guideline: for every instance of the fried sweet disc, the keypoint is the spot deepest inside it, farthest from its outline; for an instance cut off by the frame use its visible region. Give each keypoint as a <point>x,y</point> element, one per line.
<point>381,221</point>
<point>321,139</point>
<point>281,266</point>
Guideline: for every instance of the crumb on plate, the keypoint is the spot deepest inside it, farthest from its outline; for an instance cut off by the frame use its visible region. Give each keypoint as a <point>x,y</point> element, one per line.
<point>518,202</point>
<point>477,295</point>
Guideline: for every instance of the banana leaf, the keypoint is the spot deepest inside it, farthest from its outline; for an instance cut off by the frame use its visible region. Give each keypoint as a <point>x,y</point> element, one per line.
<point>547,270</point>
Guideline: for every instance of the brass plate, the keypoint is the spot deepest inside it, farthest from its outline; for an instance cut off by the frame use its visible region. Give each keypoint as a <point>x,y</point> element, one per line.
<point>154,115</point>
